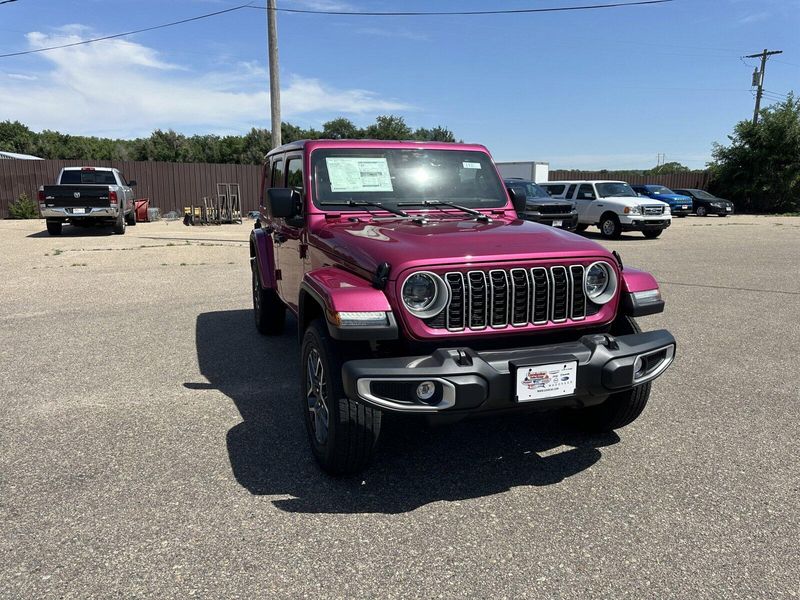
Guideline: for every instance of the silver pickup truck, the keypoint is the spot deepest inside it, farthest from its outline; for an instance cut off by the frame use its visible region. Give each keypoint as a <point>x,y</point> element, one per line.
<point>85,196</point>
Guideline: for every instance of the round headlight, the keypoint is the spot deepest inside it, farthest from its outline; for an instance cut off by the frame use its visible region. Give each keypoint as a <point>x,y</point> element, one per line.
<point>424,294</point>
<point>600,283</point>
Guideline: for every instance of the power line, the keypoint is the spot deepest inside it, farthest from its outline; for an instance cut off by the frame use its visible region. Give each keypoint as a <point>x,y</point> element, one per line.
<point>7,1</point>
<point>514,11</point>
<point>119,35</point>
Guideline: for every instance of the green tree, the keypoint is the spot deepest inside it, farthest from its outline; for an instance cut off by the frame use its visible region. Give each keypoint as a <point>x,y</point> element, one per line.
<point>341,129</point>
<point>23,208</point>
<point>668,169</point>
<point>389,127</point>
<point>16,137</point>
<point>760,169</point>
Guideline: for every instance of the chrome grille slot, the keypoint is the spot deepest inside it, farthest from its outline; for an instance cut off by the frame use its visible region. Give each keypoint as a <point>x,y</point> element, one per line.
<point>560,294</point>
<point>498,298</point>
<point>520,297</point>
<point>478,299</point>
<point>541,295</point>
<point>578,295</point>
<point>654,210</point>
<point>457,308</point>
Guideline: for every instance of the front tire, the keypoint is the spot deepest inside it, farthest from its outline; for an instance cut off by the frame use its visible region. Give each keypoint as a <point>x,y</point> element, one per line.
<point>269,311</point>
<point>619,409</point>
<point>610,227</point>
<point>342,433</point>
<point>702,211</point>
<point>54,227</point>
<point>131,219</point>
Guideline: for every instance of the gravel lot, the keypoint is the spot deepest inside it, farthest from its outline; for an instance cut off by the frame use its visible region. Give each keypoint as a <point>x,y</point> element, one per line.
<point>150,443</point>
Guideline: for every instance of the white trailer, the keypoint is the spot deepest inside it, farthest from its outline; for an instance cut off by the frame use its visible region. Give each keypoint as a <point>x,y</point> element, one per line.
<point>531,170</point>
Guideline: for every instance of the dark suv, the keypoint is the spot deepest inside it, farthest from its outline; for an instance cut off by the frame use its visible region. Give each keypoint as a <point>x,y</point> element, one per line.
<point>541,208</point>
<point>418,290</point>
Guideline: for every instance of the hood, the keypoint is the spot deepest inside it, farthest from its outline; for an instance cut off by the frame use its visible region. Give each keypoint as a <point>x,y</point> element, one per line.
<point>671,197</point>
<point>404,244</point>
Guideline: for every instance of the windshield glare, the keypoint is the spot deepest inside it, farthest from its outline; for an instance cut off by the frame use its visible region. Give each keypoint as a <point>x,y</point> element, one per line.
<point>660,189</point>
<point>705,195</point>
<point>533,190</point>
<point>615,189</point>
<point>394,176</point>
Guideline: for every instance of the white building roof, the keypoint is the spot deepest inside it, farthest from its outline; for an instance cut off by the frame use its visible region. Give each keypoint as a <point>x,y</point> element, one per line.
<point>17,156</point>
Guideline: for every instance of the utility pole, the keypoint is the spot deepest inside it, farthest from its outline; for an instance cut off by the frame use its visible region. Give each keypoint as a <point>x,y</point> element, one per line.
<point>758,78</point>
<point>274,75</point>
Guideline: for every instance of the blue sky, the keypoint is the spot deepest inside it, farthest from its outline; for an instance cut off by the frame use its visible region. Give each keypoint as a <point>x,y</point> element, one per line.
<point>594,89</point>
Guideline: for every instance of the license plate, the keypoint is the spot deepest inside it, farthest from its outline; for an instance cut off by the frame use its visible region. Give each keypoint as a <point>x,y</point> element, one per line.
<point>684,207</point>
<point>558,223</point>
<point>78,211</point>
<point>728,208</point>
<point>546,381</point>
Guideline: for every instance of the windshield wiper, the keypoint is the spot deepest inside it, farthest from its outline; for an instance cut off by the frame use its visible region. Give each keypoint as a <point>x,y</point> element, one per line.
<point>477,214</point>
<point>394,211</point>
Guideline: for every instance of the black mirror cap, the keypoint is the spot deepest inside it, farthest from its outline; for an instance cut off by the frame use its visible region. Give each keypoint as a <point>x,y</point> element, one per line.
<point>132,183</point>
<point>283,203</point>
<point>518,199</point>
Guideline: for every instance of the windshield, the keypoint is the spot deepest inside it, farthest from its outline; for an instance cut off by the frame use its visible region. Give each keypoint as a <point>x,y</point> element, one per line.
<point>615,189</point>
<point>660,189</point>
<point>88,177</point>
<point>533,190</point>
<point>705,195</point>
<point>393,176</point>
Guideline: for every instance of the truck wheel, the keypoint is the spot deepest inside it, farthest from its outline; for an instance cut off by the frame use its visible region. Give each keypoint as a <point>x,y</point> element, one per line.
<point>581,227</point>
<point>131,219</point>
<point>54,227</point>
<point>652,234</point>
<point>342,433</point>
<point>701,211</point>
<point>619,409</point>
<point>119,226</point>
<point>610,227</point>
<point>270,312</point>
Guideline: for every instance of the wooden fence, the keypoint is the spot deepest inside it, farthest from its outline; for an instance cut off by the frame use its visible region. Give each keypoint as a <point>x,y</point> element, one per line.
<point>170,186</point>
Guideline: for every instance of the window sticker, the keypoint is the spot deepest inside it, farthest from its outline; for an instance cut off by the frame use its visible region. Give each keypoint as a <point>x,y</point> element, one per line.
<point>359,174</point>
<point>471,165</point>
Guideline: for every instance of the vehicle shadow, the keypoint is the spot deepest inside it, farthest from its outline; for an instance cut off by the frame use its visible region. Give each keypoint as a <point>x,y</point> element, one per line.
<point>414,466</point>
<point>628,236</point>
<point>72,231</point>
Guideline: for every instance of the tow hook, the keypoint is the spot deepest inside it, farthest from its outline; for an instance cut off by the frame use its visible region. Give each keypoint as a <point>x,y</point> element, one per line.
<point>600,339</point>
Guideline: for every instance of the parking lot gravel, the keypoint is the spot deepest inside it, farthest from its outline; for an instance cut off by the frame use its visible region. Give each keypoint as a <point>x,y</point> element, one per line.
<point>151,441</point>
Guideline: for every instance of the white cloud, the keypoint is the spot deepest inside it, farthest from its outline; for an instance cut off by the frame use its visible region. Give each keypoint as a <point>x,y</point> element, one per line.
<point>22,76</point>
<point>121,88</point>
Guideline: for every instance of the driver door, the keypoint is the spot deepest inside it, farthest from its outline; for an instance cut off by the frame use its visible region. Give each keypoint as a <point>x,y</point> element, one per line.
<point>290,235</point>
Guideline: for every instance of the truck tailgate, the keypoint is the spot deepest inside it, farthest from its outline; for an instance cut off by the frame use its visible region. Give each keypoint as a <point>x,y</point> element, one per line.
<point>58,196</point>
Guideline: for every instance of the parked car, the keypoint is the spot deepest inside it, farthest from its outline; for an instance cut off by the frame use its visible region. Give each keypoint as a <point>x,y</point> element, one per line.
<point>680,205</point>
<point>708,204</point>
<point>540,208</point>
<point>613,207</point>
<point>417,289</point>
<point>88,195</point>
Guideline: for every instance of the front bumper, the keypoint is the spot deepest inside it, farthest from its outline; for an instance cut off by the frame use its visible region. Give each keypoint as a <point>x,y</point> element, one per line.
<point>569,221</point>
<point>645,223</point>
<point>103,212</point>
<point>468,382</point>
<point>678,210</point>
<point>715,210</point>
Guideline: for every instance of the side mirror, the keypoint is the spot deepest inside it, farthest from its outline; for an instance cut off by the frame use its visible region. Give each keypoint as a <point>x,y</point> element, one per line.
<point>283,203</point>
<point>518,199</point>
<point>132,183</point>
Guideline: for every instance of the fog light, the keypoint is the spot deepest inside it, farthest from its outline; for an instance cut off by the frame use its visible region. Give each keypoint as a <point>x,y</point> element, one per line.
<point>638,368</point>
<point>426,390</point>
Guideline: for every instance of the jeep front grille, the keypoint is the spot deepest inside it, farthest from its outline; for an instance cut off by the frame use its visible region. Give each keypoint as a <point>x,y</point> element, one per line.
<point>500,297</point>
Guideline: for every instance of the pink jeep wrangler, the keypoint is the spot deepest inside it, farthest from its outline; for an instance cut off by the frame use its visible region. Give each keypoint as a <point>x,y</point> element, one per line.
<point>418,290</point>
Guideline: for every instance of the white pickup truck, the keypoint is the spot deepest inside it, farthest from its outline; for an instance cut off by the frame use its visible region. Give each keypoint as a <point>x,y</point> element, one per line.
<point>613,206</point>
<point>84,196</point>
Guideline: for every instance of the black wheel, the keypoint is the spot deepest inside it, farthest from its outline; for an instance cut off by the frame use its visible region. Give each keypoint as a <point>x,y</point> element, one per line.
<point>270,312</point>
<point>610,227</point>
<point>54,227</point>
<point>342,433</point>
<point>581,227</point>
<point>119,226</point>
<point>652,234</point>
<point>619,409</point>
<point>131,218</point>
<point>701,211</point>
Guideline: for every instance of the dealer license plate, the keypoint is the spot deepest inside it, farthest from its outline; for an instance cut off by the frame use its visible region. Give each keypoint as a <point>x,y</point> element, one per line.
<point>558,223</point>
<point>684,207</point>
<point>78,211</point>
<point>546,381</point>
<point>728,208</point>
